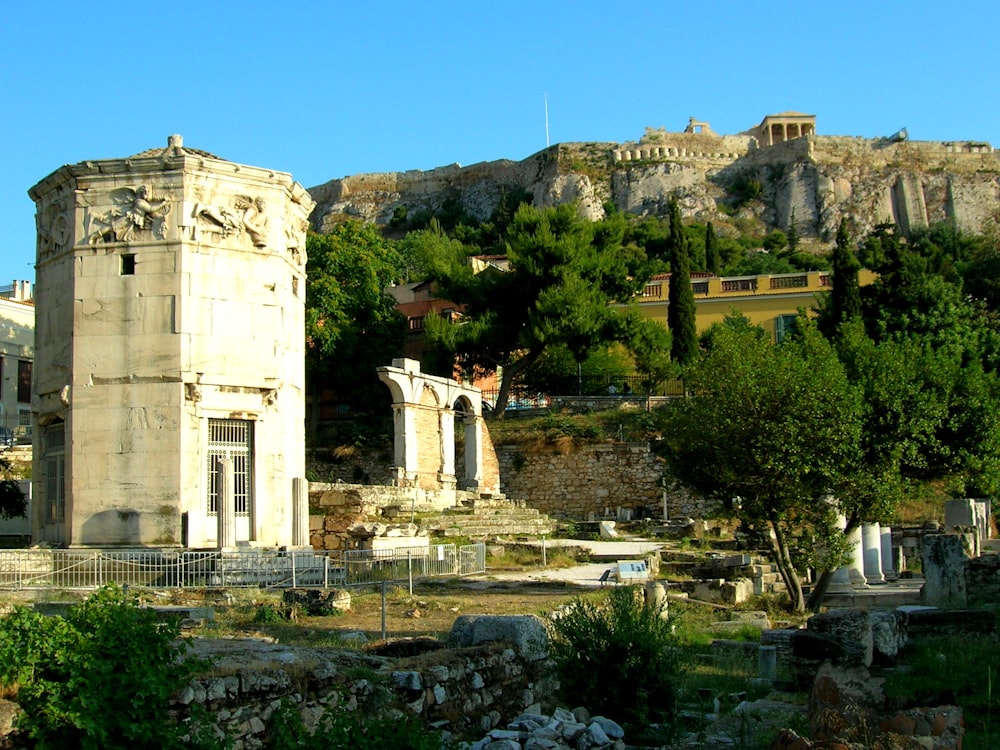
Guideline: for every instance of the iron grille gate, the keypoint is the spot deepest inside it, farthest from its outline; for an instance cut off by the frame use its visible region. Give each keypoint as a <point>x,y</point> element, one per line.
<point>231,438</point>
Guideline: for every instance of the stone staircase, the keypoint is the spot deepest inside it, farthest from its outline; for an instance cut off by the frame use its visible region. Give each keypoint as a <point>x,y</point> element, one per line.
<point>480,518</point>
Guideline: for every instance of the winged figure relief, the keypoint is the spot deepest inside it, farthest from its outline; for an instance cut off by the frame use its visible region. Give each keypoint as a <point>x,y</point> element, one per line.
<point>134,211</point>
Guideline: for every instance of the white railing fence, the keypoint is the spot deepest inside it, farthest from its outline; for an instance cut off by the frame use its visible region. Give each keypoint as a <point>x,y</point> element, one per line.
<point>83,569</point>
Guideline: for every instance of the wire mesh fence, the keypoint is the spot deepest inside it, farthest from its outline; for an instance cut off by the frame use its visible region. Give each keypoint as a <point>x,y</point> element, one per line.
<point>84,569</point>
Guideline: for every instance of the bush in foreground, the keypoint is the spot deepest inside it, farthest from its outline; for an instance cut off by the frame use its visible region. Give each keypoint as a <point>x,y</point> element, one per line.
<point>101,677</point>
<point>621,654</point>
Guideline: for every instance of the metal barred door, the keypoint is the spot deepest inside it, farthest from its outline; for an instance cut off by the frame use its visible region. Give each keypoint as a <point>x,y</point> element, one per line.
<point>232,438</point>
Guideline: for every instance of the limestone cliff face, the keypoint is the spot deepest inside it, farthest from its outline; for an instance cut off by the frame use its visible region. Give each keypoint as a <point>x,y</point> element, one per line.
<point>811,181</point>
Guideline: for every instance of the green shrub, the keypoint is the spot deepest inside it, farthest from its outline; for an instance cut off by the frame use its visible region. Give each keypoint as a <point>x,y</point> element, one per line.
<point>558,425</point>
<point>102,677</point>
<point>621,655</point>
<point>268,613</point>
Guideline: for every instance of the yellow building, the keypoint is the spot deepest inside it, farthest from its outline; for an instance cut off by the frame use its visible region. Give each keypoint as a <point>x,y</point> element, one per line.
<point>770,301</point>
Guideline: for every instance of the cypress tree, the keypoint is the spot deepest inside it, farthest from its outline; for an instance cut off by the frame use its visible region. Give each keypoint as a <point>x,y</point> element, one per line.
<point>712,258</point>
<point>792,235</point>
<point>680,306</point>
<point>846,293</point>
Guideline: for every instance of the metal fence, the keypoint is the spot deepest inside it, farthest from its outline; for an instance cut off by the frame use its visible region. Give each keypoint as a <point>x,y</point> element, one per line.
<point>362,567</point>
<point>618,387</point>
<point>84,569</point>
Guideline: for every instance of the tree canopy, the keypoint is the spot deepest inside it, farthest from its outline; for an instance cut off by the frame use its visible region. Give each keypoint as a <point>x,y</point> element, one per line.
<point>563,274</point>
<point>352,326</point>
<point>768,430</point>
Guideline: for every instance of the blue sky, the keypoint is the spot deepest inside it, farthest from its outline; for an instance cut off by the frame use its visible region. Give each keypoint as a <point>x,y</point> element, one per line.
<point>328,89</point>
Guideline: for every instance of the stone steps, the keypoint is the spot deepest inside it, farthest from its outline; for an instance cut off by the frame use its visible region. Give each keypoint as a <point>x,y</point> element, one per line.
<point>495,522</point>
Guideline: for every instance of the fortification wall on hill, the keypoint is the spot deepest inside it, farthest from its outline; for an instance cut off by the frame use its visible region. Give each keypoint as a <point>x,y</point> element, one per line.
<point>662,145</point>
<point>813,180</point>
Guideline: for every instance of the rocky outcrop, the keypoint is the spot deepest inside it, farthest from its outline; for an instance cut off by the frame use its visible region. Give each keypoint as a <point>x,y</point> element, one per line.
<point>812,182</point>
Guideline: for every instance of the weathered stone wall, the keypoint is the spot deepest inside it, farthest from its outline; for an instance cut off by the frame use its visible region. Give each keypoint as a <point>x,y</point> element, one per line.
<point>490,464</point>
<point>982,579</point>
<point>593,479</point>
<point>587,479</point>
<point>354,467</point>
<point>473,689</point>
<point>343,516</point>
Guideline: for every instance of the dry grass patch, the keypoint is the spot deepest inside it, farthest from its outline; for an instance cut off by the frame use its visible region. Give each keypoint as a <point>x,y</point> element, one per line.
<point>429,611</point>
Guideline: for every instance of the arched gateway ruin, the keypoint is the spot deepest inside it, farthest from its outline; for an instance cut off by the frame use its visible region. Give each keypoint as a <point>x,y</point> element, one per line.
<point>425,409</point>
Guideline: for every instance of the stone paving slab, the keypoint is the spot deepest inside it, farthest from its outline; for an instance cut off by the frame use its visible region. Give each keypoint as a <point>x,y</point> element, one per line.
<point>608,550</point>
<point>588,574</point>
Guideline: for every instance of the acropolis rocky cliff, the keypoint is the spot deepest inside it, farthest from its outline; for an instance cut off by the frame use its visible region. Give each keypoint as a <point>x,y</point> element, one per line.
<point>774,174</point>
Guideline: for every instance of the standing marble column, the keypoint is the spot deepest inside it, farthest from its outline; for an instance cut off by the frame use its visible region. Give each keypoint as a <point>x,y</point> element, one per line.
<point>841,580</point>
<point>226,500</point>
<point>300,512</point>
<point>856,566</point>
<point>446,474</point>
<point>405,444</point>
<point>871,543</point>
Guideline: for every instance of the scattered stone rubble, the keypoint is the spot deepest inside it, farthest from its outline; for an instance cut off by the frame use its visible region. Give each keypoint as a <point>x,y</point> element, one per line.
<point>837,657</point>
<point>564,729</point>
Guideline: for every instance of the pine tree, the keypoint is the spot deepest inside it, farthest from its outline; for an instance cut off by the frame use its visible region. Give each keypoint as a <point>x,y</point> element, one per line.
<point>680,306</point>
<point>845,295</point>
<point>712,258</point>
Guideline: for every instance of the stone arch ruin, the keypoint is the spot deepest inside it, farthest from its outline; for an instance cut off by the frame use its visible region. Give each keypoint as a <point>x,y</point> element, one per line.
<point>425,409</point>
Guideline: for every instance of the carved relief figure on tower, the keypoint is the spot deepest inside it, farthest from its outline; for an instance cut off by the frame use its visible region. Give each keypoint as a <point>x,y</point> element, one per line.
<point>53,228</point>
<point>247,215</point>
<point>254,219</point>
<point>295,231</point>
<point>135,210</point>
<point>226,222</point>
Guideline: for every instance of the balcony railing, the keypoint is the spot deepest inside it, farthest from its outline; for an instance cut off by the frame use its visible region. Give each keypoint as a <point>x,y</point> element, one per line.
<point>739,285</point>
<point>790,282</point>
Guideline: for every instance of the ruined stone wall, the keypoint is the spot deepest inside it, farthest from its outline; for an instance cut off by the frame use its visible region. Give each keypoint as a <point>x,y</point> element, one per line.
<point>585,480</point>
<point>982,579</point>
<point>590,479</point>
<point>490,462</point>
<point>355,467</point>
<point>957,156</point>
<point>474,689</point>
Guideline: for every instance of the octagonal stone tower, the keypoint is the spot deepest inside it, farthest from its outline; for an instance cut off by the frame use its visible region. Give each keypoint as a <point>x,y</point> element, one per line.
<point>170,342</point>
